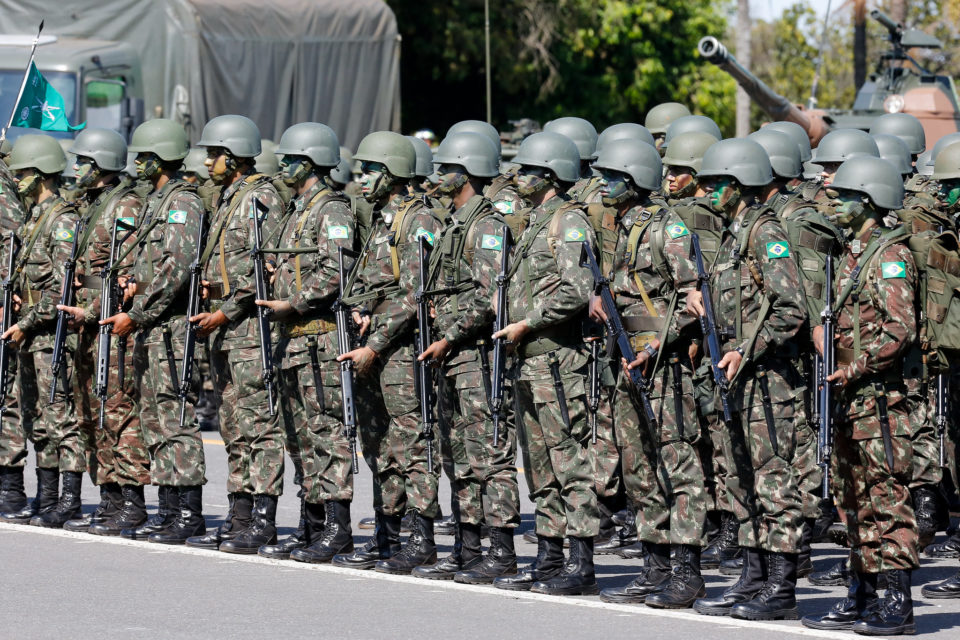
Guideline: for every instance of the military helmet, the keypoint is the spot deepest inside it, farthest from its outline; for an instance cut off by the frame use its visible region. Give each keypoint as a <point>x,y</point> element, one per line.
<point>552,151</point>
<point>583,134</point>
<point>947,166</point>
<point>684,124</point>
<point>478,126</point>
<point>639,161</point>
<point>5,147</point>
<point>904,126</point>
<point>391,149</point>
<point>923,165</point>
<point>797,133</point>
<point>472,151</point>
<point>312,140</point>
<point>266,161</point>
<point>739,158</point>
<point>687,150</point>
<point>939,146</point>
<point>895,151</point>
<point>341,173</point>
<point>237,134</point>
<point>624,131</point>
<point>105,147</point>
<point>39,152</point>
<point>873,177</point>
<point>842,144</point>
<point>162,137</point>
<point>660,116</point>
<point>194,162</point>
<point>424,165</point>
<point>784,154</point>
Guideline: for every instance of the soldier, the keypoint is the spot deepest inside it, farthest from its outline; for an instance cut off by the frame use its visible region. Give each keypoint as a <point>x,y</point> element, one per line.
<point>463,281</point>
<point>896,152</point>
<point>252,436</point>
<point>904,126</point>
<point>385,284</point>
<point>61,448</point>
<point>876,323</point>
<point>306,285</point>
<point>547,297</point>
<point>837,147</point>
<point>760,311</point>
<point>681,162</point>
<point>686,124</point>
<point>659,118</point>
<point>584,136</point>
<point>193,169</point>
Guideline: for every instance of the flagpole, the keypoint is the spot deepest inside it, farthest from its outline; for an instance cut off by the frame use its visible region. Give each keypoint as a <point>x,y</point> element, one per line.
<point>23,84</point>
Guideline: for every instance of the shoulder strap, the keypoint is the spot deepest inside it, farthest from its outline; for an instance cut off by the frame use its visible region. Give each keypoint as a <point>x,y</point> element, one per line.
<point>251,182</point>
<point>399,228</point>
<point>41,224</point>
<point>874,247</point>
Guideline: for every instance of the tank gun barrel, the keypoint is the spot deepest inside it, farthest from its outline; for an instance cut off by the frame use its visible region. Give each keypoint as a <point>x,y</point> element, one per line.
<point>895,28</point>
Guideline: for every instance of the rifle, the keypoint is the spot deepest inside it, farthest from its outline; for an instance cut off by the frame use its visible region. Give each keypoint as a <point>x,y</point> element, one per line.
<point>422,370</point>
<point>593,395</point>
<point>828,318</point>
<point>345,344</point>
<point>601,287</point>
<point>708,324</point>
<point>943,390</point>
<point>190,337</point>
<point>7,321</point>
<point>263,313</point>
<point>67,293</point>
<point>500,345</point>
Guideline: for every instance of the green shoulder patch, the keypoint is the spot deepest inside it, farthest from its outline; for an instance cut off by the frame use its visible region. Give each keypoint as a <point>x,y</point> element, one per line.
<point>421,232</point>
<point>575,235</point>
<point>338,232</point>
<point>176,216</point>
<point>503,206</point>
<point>778,249</point>
<point>678,230</point>
<point>893,270</point>
<point>492,242</point>
<point>65,235</point>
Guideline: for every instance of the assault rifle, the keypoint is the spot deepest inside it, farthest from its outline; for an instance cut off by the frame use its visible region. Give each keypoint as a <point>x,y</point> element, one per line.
<point>263,313</point>
<point>67,293</point>
<point>423,369</point>
<point>345,344</point>
<point>828,319</point>
<point>190,336</point>
<point>7,321</point>
<point>500,344</point>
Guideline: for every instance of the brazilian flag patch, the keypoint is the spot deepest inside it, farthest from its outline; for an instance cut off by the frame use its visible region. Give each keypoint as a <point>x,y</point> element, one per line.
<point>65,235</point>
<point>678,230</point>
<point>492,242</point>
<point>421,232</point>
<point>574,235</point>
<point>503,206</point>
<point>337,232</point>
<point>777,250</point>
<point>176,216</point>
<point>893,270</point>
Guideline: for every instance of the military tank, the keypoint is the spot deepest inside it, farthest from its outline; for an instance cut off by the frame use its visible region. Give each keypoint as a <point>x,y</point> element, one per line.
<point>899,84</point>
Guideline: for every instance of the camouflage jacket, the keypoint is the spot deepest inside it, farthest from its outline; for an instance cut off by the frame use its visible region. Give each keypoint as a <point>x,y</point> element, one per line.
<point>12,214</point>
<point>502,193</point>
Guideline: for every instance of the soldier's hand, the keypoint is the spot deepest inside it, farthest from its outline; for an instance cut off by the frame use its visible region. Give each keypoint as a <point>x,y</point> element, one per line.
<point>280,308</point>
<point>363,358</point>
<point>731,363</point>
<point>436,351</point>
<point>693,351</point>
<point>123,324</point>
<point>14,334</point>
<point>362,321</point>
<point>596,309</point>
<point>818,338</point>
<point>207,323</point>
<point>695,303</point>
<point>839,377</point>
<point>204,289</point>
<point>513,332</point>
<point>17,303</point>
<point>641,362</point>
<point>129,290</point>
<point>77,314</point>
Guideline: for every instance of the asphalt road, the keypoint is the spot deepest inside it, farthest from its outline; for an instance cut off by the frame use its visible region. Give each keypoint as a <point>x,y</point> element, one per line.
<point>61,584</point>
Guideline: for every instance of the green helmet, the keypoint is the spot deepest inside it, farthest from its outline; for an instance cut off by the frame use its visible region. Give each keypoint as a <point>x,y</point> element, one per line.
<point>624,131</point>
<point>873,177</point>
<point>237,134</point>
<point>160,136</point>
<point>940,145</point>
<point>639,161</point>
<point>842,144</point>
<point>687,150</point>
<point>478,126</point>
<point>797,133</point>
<point>739,158</point>
<point>904,126</point>
<point>583,134</point>
<point>266,161</point>
<point>39,152</point>
<point>948,163</point>
<point>472,151</point>
<point>784,154</point>
<point>424,165</point>
<point>895,151</point>
<point>552,151</point>
<point>685,124</point>
<point>105,147</point>
<point>660,116</point>
<point>194,163</point>
<point>5,147</point>
<point>312,140</point>
<point>391,149</point>
<point>341,173</point>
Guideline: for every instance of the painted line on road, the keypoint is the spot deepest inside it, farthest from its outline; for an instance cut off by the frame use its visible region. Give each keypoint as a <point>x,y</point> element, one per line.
<point>432,585</point>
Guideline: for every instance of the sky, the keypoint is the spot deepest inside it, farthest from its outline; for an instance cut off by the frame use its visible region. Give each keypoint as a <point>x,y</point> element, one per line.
<point>771,9</point>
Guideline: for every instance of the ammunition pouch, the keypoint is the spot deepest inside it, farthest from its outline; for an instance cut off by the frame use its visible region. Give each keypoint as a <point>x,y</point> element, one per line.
<point>314,327</point>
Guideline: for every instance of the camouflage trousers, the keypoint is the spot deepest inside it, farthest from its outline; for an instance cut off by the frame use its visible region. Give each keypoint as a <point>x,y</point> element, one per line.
<point>176,452</point>
<point>809,473</point>
<point>16,421</point>
<point>316,435</point>
<point>252,437</point>
<point>558,459</point>
<point>715,466</point>
<point>484,479</point>
<point>662,470</point>
<point>57,436</point>
<point>924,438</point>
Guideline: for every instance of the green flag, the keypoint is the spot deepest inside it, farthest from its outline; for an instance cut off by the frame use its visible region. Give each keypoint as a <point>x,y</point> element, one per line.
<point>41,107</point>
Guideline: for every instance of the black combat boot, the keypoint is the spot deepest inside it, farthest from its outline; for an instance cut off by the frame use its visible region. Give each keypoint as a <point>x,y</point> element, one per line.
<point>949,588</point>
<point>893,616</point>
<point>384,544</point>
<point>367,523</point>
<point>501,560</point>
<point>608,528</point>
<point>724,546</point>
<point>577,577</point>
<point>928,514</point>
<point>636,551</point>
<point>777,599</point>
<point>111,499</point>
<point>547,564</point>
<point>48,494</point>
<point>416,552</point>
<point>132,514</point>
<point>804,558</point>
<point>466,555</point>
<point>263,529</point>
<point>861,598</point>
<point>189,521</point>
<point>335,539</point>
<point>685,584</point>
<point>625,536</point>
<point>445,526</point>
<point>835,575</point>
<point>168,506</point>
<point>821,525</point>
<point>625,515</point>
<point>752,579</point>
<point>239,517</point>
<point>69,506</point>
<point>296,540</point>
<point>949,548</point>
<point>13,497</point>
<point>652,577</point>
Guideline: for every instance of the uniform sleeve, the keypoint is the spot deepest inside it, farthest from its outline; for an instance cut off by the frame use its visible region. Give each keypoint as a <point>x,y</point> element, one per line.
<point>321,286</point>
<point>58,245</point>
<point>128,209</point>
<point>683,271</point>
<point>478,315</point>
